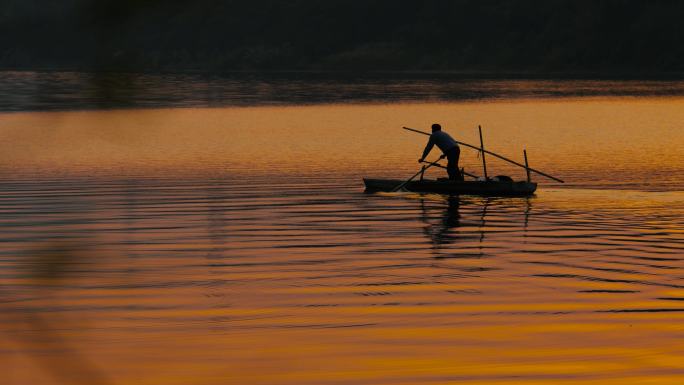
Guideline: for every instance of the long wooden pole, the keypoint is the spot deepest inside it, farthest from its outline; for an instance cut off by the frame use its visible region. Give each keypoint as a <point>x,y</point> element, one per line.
<point>527,167</point>
<point>444,167</point>
<point>422,170</point>
<point>484,163</point>
<point>495,155</point>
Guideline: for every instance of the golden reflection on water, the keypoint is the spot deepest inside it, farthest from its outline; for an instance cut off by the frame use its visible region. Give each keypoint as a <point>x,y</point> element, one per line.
<point>633,143</point>
<point>307,284</point>
<point>180,263</point>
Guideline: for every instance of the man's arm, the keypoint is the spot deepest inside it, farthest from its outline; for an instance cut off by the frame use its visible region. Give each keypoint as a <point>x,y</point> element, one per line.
<point>427,150</point>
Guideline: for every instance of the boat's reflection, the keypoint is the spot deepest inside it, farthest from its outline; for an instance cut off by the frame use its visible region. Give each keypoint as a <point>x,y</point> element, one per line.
<point>445,228</point>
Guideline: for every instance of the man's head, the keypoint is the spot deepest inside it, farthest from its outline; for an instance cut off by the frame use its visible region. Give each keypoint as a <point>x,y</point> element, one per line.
<point>436,127</point>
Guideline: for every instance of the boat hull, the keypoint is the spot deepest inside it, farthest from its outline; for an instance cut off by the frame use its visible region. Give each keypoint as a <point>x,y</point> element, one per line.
<point>485,188</point>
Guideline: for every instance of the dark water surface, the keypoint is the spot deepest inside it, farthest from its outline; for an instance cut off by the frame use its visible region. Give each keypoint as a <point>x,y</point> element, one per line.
<point>235,244</point>
<point>50,91</point>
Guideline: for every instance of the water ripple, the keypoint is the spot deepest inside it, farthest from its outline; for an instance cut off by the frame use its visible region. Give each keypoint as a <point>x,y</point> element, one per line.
<point>226,266</point>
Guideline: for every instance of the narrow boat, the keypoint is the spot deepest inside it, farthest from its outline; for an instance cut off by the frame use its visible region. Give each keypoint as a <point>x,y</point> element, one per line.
<point>497,186</point>
<point>484,188</point>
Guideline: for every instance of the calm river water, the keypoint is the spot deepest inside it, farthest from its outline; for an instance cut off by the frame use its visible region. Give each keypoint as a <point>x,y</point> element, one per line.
<point>193,230</point>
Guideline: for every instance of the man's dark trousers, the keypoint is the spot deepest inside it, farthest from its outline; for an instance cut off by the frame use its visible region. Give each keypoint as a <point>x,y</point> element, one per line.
<point>452,163</point>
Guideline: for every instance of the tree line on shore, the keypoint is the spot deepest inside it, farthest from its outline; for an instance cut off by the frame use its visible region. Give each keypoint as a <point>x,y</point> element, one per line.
<point>626,36</point>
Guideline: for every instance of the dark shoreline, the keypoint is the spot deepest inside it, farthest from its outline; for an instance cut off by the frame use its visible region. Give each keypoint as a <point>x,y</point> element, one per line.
<point>53,90</point>
<point>375,74</point>
<point>524,39</point>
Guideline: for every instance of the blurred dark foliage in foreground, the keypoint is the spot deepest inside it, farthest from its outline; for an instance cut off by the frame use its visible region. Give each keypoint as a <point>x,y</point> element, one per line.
<point>43,272</point>
<point>627,36</point>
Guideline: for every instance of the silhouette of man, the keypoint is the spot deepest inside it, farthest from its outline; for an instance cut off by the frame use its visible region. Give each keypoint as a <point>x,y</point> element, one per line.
<point>449,149</point>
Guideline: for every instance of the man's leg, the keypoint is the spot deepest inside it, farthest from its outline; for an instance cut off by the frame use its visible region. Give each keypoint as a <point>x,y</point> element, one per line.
<point>452,164</point>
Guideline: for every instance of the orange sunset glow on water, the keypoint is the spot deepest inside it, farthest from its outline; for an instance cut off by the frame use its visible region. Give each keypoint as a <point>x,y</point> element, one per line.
<point>386,192</point>
<point>235,245</point>
<point>590,141</point>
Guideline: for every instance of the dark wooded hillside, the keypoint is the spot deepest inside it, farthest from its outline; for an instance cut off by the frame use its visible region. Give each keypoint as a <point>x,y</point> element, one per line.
<point>630,36</point>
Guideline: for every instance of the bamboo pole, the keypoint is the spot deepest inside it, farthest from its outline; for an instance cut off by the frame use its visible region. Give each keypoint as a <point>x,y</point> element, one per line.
<point>462,170</point>
<point>422,170</point>
<point>495,155</point>
<point>527,167</point>
<point>484,163</point>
